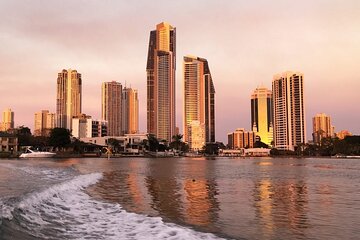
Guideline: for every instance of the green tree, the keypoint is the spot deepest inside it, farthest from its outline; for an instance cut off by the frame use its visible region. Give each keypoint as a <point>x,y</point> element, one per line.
<point>260,144</point>
<point>59,137</point>
<point>177,142</point>
<point>24,136</point>
<point>211,148</point>
<point>40,142</point>
<point>153,143</point>
<point>114,144</point>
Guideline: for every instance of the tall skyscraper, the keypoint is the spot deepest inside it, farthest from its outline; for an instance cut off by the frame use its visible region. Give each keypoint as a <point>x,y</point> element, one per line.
<point>199,97</point>
<point>7,120</point>
<point>261,114</point>
<point>111,107</point>
<point>130,111</point>
<point>289,110</point>
<point>322,127</point>
<point>44,122</point>
<point>68,101</point>
<point>160,71</point>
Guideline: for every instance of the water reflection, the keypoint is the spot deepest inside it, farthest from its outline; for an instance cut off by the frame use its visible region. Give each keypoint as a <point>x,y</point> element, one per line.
<point>201,203</point>
<point>281,205</point>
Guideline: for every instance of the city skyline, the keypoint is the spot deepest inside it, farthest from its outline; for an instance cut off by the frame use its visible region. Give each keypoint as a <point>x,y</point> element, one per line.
<point>325,49</point>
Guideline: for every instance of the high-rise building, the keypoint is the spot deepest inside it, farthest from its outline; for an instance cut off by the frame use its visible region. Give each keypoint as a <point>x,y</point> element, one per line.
<point>322,127</point>
<point>289,110</point>
<point>130,111</point>
<point>199,97</point>
<point>7,120</point>
<point>160,71</point>
<point>111,107</point>
<point>241,139</point>
<point>261,114</point>
<point>44,122</point>
<point>68,101</point>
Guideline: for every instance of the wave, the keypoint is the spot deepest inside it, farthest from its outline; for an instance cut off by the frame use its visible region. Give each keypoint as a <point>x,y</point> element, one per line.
<point>65,211</point>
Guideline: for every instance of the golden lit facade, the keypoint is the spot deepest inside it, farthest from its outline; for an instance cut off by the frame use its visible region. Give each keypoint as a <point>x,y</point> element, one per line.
<point>7,120</point>
<point>241,139</point>
<point>261,114</point>
<point>343,133</point>
<point>160,69</point>
<point>130,111</point>
<point>196,135</point>
<point>44,122</point>
<point>111,95</point>
<point>322,127</point>
<point>68,100</point>
<point>289,110</point>
<point>199,98</point>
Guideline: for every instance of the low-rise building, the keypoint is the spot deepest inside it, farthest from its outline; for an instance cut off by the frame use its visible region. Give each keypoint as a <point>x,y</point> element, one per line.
<point>8,142</point>
<point>241,139</point>
<point>128,144</point>
<point>85,127</point>
<point>343,133</point>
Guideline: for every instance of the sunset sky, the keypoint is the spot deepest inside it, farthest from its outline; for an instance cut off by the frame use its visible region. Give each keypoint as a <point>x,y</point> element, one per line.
<point>245,43</point>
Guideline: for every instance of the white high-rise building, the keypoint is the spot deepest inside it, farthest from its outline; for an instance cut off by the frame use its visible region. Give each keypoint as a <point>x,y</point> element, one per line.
<point>289,110</point>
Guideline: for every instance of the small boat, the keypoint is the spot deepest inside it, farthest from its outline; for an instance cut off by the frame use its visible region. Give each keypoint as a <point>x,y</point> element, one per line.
<point>31,153</point>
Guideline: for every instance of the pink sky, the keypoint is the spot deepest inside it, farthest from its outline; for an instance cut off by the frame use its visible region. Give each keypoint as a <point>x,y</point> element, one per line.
<point>245,42</point>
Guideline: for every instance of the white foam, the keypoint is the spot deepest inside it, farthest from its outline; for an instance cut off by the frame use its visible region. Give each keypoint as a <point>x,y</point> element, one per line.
<point>47,173</point>
<point>68,212</point>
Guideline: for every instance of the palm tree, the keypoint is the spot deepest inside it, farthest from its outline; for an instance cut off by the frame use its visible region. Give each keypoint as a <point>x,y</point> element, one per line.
<point>177,142</point>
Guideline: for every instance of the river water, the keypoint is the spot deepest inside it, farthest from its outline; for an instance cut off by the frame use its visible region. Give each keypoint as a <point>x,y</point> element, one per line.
<point>180,198</point>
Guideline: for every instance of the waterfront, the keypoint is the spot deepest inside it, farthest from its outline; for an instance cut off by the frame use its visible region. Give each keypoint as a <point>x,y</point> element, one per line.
<point>180,198</point>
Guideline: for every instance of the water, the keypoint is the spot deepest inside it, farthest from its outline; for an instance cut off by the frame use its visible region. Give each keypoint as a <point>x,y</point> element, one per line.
<point>180,198</point>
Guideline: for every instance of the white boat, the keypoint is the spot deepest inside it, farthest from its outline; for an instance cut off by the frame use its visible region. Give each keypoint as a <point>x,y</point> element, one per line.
<point>31,153</point>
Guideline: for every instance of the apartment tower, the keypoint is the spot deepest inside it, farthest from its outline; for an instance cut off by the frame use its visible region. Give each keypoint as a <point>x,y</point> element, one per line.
<point>111,93</point>
<point>44,122</point>
<point>199,98</point>
<point>130,111</point>
<point>7,120</point>
<point>261,114</point>
<point>289,110</point>
<point>68,100</point>
<point>322,127</point>
<point>160,71</point>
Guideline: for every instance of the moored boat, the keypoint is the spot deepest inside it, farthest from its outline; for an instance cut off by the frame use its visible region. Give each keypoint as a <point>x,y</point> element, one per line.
<point>31,153</point>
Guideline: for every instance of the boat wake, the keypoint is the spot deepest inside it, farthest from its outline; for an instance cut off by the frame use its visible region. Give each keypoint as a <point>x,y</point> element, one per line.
<point>65,211</point>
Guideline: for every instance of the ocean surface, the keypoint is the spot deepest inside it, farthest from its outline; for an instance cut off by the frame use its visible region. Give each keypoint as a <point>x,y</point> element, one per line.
<point>180,198</point>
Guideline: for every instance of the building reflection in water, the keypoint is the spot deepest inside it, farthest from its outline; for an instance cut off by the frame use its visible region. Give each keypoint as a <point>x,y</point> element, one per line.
<point>135,183</point>
<point>201,205</point>
<point>281,205</point>
<point>124,188</point>
<point>163,188</point>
